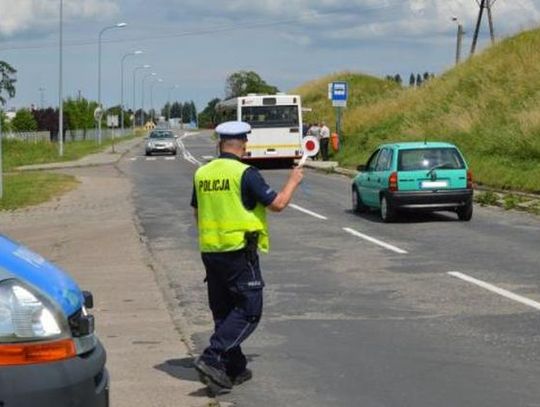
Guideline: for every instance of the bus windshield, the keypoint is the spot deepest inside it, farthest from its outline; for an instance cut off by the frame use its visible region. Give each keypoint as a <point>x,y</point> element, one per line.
<point>271,116</point>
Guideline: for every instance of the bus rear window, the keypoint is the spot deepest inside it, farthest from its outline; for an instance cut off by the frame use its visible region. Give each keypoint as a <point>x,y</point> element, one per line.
<point>428,158</point>
<point>271,116</point>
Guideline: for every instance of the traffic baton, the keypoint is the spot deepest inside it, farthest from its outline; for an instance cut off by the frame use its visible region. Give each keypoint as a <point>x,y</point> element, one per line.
<point>310,146</point>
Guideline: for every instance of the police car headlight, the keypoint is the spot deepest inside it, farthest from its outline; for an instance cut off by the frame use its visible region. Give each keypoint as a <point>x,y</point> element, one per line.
<point>25,315</point>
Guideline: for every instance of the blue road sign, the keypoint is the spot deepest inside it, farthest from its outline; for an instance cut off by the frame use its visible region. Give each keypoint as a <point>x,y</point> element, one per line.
<point>340,93</point>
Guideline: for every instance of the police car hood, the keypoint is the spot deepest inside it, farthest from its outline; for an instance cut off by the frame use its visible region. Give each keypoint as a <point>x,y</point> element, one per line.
<point>18,262</point>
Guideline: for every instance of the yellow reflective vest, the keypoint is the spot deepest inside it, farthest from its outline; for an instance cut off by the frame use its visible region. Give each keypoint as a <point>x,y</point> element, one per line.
<point>223,219</point>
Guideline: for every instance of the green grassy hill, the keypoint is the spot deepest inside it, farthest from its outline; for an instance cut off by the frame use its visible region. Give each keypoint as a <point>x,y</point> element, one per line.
<point>489,106</point>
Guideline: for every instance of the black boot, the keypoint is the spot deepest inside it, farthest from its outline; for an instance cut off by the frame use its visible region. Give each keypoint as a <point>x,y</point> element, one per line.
<point>243,377</point>
<point>216,375</point>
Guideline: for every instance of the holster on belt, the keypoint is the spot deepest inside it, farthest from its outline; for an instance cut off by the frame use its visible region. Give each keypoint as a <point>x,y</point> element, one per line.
<point>252,243</point>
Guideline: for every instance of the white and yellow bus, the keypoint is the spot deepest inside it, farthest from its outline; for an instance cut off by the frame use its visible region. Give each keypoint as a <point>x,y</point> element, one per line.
<point>276,122</point>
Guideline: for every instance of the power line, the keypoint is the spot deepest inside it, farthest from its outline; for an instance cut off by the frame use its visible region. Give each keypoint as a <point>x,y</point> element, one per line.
<point>236,27</point>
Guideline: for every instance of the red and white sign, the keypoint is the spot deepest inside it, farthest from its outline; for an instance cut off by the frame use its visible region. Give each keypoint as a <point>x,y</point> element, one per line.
<point>310,146</point>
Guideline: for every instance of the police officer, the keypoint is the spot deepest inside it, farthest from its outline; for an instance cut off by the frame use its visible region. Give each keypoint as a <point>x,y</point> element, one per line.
<point>230,200</point>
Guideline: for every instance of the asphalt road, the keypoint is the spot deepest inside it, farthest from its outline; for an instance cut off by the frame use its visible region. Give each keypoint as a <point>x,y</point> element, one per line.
<point>361,313</point>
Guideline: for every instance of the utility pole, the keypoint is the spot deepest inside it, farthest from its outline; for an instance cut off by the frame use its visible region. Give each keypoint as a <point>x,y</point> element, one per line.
<point>490,19</point>
<point>484,4</point>
<point>460,35</point>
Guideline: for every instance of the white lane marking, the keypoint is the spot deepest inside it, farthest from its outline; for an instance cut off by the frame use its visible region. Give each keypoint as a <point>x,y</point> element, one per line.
<point>152,158</point>
<point>185,153</point>
<point>189,134</point>
<point>207,157</point>
<point>315,215</point>
<point>375,241</point>
<point>501,291</point>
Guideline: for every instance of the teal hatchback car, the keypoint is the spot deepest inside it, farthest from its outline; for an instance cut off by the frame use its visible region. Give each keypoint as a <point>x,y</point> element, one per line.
<point>425,176</point>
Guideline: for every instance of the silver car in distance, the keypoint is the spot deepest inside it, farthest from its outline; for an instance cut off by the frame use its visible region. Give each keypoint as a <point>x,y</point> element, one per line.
<point>161,141</point>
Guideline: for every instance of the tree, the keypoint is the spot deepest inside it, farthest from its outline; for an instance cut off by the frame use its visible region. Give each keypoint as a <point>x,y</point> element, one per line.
<point>141,114</point>
<point>187,113</point>
<point>412,80</point>
<point>80,114</point>
<point>7,81</point>
<point>193,111</point>
<point>166,110</point>
<point>418,80</point>
<point>5,125</point>
<point>426,76</point>
<point>176,110</point>
<point>47,120</point>
<point>24,121</point>
<point>398,79</point>
<point>208,117</point>
<point>243,82</point>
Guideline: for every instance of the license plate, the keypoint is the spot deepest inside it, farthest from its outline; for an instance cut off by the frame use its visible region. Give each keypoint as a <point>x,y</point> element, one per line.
<point>434,184</point>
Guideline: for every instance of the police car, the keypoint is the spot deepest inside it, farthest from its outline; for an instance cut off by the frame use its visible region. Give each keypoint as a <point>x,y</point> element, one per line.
<point>49,354</point>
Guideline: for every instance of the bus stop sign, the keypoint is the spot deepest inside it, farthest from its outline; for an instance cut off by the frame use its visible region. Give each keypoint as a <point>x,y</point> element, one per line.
<point>339,93</point>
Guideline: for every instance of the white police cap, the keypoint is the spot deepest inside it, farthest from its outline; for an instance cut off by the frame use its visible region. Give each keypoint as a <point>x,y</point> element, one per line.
<point>234,129</point>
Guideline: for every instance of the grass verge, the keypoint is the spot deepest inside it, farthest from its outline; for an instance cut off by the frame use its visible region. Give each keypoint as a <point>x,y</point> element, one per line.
<point>27,189</point>
<point>489,106</point>
<point>18,153</point>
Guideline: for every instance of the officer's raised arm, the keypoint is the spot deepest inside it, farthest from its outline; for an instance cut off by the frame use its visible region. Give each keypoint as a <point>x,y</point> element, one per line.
<point>284,197</point>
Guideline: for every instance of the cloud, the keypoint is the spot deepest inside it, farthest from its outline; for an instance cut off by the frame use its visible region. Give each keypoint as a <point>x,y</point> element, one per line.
<point>349,20</point>
<point>20,16</point>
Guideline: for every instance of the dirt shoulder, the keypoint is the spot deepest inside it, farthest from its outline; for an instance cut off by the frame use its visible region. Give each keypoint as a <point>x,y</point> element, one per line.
<point>91,232</point>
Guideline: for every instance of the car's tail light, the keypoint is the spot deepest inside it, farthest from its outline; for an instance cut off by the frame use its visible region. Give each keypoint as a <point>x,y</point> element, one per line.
<point>393,182</point>
<point>33,353</point>
<point>469,179</point>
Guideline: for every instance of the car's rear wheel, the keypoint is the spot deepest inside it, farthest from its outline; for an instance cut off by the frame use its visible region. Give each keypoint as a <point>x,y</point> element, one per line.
<point>357,203</point>
<point>388,213</point>
<point>148,153</point>
<point>465,212</point>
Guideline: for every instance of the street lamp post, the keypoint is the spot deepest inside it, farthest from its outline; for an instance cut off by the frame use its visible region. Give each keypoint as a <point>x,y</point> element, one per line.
<point>152,96</point>
<point>142,101</point>
<point>60,84</point>
<point>119,25</point>
<point>1,171</point>
<point>138,68</point>
<point>122,85</point>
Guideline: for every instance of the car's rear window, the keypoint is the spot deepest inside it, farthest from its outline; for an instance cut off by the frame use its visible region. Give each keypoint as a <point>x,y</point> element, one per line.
<point>161,134</point>
<point>428,158</point>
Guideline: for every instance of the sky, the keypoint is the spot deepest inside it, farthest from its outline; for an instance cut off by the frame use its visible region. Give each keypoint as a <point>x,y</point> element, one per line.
<point>194,45</point>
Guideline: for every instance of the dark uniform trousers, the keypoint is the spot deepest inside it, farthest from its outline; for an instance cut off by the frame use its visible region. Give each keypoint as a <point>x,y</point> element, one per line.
<point>324,148</point>
<point>235,293</point>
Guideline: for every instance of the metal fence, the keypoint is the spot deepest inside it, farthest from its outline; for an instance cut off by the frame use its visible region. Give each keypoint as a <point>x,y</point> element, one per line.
<point>91,134</point>
<point>71,135</point>
<point>31,136</point>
